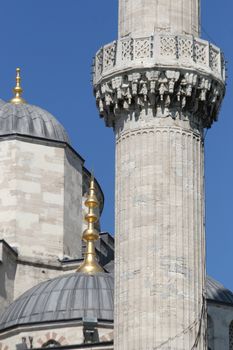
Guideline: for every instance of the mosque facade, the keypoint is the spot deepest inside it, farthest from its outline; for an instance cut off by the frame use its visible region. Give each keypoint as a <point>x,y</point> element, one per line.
<point>64,283</point>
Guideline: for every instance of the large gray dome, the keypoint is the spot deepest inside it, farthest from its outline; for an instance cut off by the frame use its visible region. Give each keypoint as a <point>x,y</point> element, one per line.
<point>30,120</point>
<point>67,297</point>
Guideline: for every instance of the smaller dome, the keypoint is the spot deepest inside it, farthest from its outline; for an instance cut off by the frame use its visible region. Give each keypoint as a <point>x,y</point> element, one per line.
<point>30,120</point>
<point>68,297</point>
<point>217,292</point>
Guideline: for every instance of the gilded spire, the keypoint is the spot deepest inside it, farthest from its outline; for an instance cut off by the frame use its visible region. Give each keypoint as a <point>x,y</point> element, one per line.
<point>17,99</point>
<point>90,235</point>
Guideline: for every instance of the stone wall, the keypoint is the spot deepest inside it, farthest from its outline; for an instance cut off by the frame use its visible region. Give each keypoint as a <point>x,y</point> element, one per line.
<point>72,205</point>
<point>40,190</point>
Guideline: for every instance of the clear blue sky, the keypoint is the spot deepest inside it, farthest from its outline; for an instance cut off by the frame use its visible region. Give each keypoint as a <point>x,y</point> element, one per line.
<point>54,42</point>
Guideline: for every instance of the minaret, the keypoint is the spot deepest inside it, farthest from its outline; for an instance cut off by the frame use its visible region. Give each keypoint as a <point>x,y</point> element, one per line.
<point>159,86</point>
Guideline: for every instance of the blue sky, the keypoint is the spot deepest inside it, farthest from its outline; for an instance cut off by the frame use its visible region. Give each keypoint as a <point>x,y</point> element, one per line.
<point>54,42</point>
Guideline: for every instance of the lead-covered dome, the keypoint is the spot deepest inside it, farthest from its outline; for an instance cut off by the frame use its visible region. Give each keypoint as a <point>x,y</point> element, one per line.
<point>217,293</point>
<point>69,297</point>
<point>26,119</point>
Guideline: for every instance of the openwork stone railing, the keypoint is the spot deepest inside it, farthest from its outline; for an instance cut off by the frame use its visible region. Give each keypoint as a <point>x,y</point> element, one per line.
<point>159,49</point>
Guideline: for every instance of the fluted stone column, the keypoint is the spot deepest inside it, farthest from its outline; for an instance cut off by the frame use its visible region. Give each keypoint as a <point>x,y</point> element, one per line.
<point>159,91</point>
<point>140,17</point>
<point>159,234</point>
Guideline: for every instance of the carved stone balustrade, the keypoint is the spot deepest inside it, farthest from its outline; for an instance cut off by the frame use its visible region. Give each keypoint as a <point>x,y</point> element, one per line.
<point>163,71</point>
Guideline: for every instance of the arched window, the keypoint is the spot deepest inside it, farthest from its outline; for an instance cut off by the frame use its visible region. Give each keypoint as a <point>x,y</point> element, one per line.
<point>210,332</point>
<point>231,336</point>
<point>51,344</point>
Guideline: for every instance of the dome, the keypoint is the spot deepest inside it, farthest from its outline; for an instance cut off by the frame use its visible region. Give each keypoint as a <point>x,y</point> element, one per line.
<point>68,297</point>
<point>30,120</point>
<point>217,292</point>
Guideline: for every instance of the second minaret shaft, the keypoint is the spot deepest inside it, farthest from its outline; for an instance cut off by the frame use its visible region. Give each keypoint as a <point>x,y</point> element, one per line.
<point>159,86</point>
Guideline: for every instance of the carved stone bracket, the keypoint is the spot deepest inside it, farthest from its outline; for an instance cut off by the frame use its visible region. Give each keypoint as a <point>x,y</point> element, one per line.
<point>170,92</point>
<point>175,75</point>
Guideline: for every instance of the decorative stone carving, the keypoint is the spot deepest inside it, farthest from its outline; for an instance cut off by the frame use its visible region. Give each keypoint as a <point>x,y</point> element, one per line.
<point>168,46</point>
<point>126,49</point>
<point>142,48</point>
<point>109,54</point>
<point>201,53</point>
<point>175,75</point>
<point>165,91</point>
<point>159,50</point>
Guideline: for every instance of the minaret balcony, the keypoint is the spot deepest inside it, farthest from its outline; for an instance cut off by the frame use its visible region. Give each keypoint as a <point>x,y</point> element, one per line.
<point>179,72</point>
<point>159,50</point>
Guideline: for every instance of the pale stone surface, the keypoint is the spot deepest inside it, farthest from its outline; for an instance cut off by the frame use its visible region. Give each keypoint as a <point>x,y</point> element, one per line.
<point>40,193</point>
<point>143,17</point>
<point>159,274</point>
<point>72,205</point>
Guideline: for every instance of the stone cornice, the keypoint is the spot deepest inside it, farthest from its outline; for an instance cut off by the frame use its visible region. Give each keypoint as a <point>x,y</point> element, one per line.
<point>174,93</point>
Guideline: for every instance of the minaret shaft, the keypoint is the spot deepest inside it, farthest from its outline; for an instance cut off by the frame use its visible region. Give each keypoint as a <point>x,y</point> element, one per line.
<point>160,239</point>
<point>144,17</point>
<point>159,86</point>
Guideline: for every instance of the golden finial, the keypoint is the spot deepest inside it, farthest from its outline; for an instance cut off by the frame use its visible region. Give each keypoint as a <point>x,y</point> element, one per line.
<point>17,99</point>
<point>90,235</point>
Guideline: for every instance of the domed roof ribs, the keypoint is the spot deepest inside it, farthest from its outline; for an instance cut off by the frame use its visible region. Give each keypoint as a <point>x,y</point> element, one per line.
<point>82,295</point>
<point>24,120</point>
